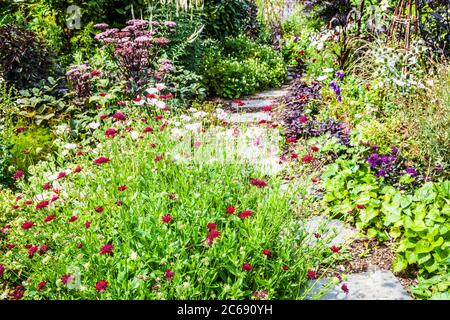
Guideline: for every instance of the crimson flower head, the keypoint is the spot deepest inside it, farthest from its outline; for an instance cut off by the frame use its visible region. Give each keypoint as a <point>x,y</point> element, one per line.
<point>122,188</point>
<point>110,133</point>
<point>27,225</point>
<point>158,158</point>
<point>148,129</point>
<point>29,202</point>
<point>258,183</point>
<point>267,252</point>
<point>41,285</point>
<point>335,249</point>
<point>32,250</point>
<point>101,286</point>
<point>230,210</point>
<point>101,160</point>
<point>119,203</point>
<point>99,209</point>
<point>107,249</point>
<point>2,270</point>
<point>18,175</point>
<point>87,225</point>
<point>245,214</point>
<point>19,130</point>
<point>303,119</point>
<point>61,175</point>
<point>291,140</point>
<point>168,274</point>
<point>247,266</point>
<point>73,219</point>
<point>213,234</point>
<point>212,226</point>
<point>314,149</point>
<point>361,206</point>
<point>119,116</point>
<point>267,108</point>
<point>345,288</point>
<point>312,274</point>
<point>43,249</point>
<point>294,155</point>
<point>66,278</point>
<point>77,170</point>
<point>166,218</point>
<point>307,159</point>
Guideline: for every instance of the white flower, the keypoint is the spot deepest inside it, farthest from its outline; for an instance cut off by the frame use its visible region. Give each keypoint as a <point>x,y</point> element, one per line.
<point>328,70</point>
<point>94,125</point>
<point>200,114</point>
<point>322,78</point>
<point>176,133</point>
<point>152,101</point>
<point>185,118</point>
<point>192,110</point>
<point>139,102</point>
<point>133,256</point>
<point>160,104</point>
<point>70,146</point>
<point>195,127</point>
<point>160,86</point>
<point>152,90</point>
<point>134,135</point>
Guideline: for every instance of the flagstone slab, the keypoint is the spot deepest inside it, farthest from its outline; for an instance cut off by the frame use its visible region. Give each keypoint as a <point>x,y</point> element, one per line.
<point>336,232</point>
<point>248,117</point>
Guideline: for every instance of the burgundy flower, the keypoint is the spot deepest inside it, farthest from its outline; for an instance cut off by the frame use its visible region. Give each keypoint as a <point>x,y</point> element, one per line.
<point>15,207</point>
<point>32,251</point>
<point>66,278</point>
<point>314,149</point>
<point>42,204</point>
<point>166,218</point>
<point>213,234</point>
<point>27,225</point>
<point>101,286</point>
<point>19,130</point>
<point>122,188</point>
<point>101,160</point>
<point>99,209</point>
<point>43,249</point>
<point>267,252</point>
<point>294,155</point>
<point>119,203</point>
<point>230,210</point>
<point>110,133</point>
<point>211,226</point>
<point>119,116</point>
<point>29,202</point>
<point>285,267</point>
<point>335,249</point>
<point>312,274</point>
<point>41,285</point>
<point>18,293</point>
<point>148,130</point>
<point>54,198</point>
<point>107,249</point>
<point>169,274</point>
<point>153,145</point>
<point>291,140</point>
<point>61,175</point>
<point>158,117</point>
<point>158,158</point>
<point>258,183</point>
<point>361,206</point>
<point>245,214</point>
<point>303,119</point>
<point>267,109</point>
<point>79,245</point>
<point>87,225</point>
<point>307,159</point>
<point>18,175</point>
<point>77,170</point>
<point>2,270</point>
<point>345,288</point>
<point>247,266</point>
<point>73,219</point>
<point>103,116</point>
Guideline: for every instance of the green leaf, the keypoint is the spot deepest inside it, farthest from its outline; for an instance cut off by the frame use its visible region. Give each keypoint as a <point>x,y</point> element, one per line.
<point>399,264</point>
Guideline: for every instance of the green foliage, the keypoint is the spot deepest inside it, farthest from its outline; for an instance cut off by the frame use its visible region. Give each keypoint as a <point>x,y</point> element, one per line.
<point>241,67</point>
<point>24,59</point>
<point>434,288</point>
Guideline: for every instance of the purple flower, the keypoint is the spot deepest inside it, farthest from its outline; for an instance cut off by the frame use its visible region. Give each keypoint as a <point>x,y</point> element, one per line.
<point>373,160</point>
<point>411,171</point>
<point>340,74</point>
<point>394,150</point>
<point>380,173</point>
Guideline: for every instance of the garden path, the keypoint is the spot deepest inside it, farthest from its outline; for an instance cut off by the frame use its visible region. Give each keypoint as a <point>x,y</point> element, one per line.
<point>374,284</point>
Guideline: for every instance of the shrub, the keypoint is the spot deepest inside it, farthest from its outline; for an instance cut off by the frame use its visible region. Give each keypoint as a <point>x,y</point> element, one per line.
<point>242,67</point>
<point>24,59</point>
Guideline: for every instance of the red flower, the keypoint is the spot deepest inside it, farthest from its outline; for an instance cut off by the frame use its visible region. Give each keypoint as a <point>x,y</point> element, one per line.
<point>303,119</point>
<point>163,126</point>
<point>361,206</point>
<point>312,274</point>
<point>54,198</point>
<point>110,133</point>
<point>262,121</point>
<point>99,209</point>
<point>294,155</point>
<point>122,188</point>
<point>148,129</point>
<point>87,225</point>
<point>73,219</point>
<point>66,278</point>
<point>166,218</point>
<point>291,140</point>
<point>18,293</point>
<point>32,250</point>
<point>213,234</point>
<point>19,130</point>
<point>119,116</point>
<point>119,203</point>
<point>335,249</point>
<point>2,270</point>
<point>79,245</point>
<point>18,198</point>
<point>102,94</point>
<point>212,226</point>
<point>107,249</point>
<point>101,286</point>
<point>307,159</point>
<point>18,175</point>
<point>345,288</point>
<point>61,175</point>
<point>95,73</point>
<point>258,183</point>
<point>247,266</point>
<point>43,249</point>
<point>230,210</point>
<point>29,202</point>
<point>245,214</point>
<point>158,158</point>
<point>267,252</point>
<point>103,116</point>
<point>285,267</point>
<point>27,225</point>
<point>101,160</point>
<point>314,149</point>
<point>159,117</point>
<point>153,145</point>
<point>168,274</point>
<point>41,285</point>
<point>77,170</point>
<point>267,109</point>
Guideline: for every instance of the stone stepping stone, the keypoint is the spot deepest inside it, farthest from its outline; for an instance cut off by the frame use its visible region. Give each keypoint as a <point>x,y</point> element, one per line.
<point>335,232</point>
<point>375,285</point>
<point>248,117</point>
<point>272,94</point>
<point>251,105</point>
